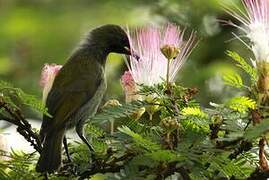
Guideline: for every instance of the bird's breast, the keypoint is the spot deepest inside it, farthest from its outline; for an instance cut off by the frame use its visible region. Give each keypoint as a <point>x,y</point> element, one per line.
<point>89,109</point>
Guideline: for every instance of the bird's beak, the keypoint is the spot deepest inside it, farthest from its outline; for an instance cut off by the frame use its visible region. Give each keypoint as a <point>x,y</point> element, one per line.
<point>128,50</point>
<point>131,53</point>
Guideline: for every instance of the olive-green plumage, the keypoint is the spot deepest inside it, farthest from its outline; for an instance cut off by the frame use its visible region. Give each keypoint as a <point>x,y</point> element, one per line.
<point>77,91</point>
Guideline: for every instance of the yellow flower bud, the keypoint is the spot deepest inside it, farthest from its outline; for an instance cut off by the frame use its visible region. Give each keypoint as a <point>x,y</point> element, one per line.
<point>170,52</point>
<point>112,103</point>
<point>137,114</point>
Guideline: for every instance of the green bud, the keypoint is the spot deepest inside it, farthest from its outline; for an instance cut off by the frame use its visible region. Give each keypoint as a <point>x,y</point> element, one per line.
<point>151,109</point>
<point>170,52</point>
<point>169,124</point>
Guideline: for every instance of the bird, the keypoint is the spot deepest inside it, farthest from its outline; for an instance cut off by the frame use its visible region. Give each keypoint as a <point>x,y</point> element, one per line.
<point>77,91</point>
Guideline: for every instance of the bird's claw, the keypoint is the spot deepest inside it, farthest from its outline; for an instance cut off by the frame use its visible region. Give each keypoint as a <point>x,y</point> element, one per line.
<point>70,167</point>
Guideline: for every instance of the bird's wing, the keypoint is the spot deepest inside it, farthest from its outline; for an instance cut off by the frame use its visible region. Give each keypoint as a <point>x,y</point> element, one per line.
<point>74,85</point>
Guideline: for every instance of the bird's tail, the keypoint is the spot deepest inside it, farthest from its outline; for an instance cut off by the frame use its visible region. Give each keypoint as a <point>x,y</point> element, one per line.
<point>50,157</point>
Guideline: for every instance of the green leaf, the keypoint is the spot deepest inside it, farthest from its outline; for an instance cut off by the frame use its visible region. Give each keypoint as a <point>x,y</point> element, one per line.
<point>193,111</point>
<point>153,159</point>
<point>115,112</point>
<point>165,156</point>
<point>145,143</point>
<point>20,165</point>
<point>257,130</point>
<point>229,168</point>
<point>241,104</point>
<point>94,131</point>
<point>233,79</point>
<point>100,147</point>
<point>241,62</point>
<point>11,95</point>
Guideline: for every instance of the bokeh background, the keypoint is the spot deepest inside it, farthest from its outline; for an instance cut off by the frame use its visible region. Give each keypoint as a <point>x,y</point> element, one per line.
<point>33,33</point>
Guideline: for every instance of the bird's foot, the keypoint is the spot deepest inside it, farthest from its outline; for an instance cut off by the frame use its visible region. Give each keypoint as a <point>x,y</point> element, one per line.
<point>95,162</point>
<point>69,167</point>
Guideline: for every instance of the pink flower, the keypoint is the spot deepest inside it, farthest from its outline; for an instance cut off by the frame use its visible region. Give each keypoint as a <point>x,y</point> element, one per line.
<point>255,26</point>
<point>129,87</point>
<point>48,74</point>
<point>151,67</point>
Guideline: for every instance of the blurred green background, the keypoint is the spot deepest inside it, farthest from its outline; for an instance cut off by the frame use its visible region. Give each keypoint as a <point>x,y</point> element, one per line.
<point>35,32</point>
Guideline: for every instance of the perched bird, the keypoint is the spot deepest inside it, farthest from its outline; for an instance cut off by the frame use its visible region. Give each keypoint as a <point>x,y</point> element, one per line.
<point>77,91</point>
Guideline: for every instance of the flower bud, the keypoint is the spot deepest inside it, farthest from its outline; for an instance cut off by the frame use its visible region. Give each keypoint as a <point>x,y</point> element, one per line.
<point>129,87</point>
<point>170,52</point>
<point>169,124</point>
<point>138,113</point>
<point>151,109</point>
<point>112,103</point>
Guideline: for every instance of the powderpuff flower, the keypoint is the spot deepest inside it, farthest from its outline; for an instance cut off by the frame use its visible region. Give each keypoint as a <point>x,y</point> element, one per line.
<point>129,87</point>
<point>48,74</point>
<point>255,22</point>
<point>149,65</point>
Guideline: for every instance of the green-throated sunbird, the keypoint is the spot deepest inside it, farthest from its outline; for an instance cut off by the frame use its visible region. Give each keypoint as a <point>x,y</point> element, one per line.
<point>77,91</point>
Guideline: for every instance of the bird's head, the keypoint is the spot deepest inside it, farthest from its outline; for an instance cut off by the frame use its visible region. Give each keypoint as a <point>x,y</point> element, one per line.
<point>112,38</point>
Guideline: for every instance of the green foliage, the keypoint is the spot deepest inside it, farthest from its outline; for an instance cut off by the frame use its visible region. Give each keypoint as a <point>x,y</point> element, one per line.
<point>21,166</point>
<point>94,131</point>
<point>241,104</point>
<point>193,111</point>
<point>138,149</point>
<point>95,134</point>
<point>200,144</point>
<point>228,168</point>
<point>233,80</point>
<point>115,112</point>
<point>14,96</point>
<point>257,130</point>
<point>252,72</point>
<point>140,141</point>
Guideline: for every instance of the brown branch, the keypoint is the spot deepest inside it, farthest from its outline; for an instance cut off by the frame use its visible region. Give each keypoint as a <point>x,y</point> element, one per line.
<point>215,128</point>
<point>243,147</point>
<point>259,174</point>
<point>91,172</point>
<point>262,157</point>
<point>111,166</point>
<point>170,169</point>
<point>263,162</point>
<point>256,116</point>
<point>24,127</point>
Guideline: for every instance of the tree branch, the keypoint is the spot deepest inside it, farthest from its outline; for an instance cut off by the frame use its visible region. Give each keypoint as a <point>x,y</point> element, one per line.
<point>24,127</point>
<point>111,166</point>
